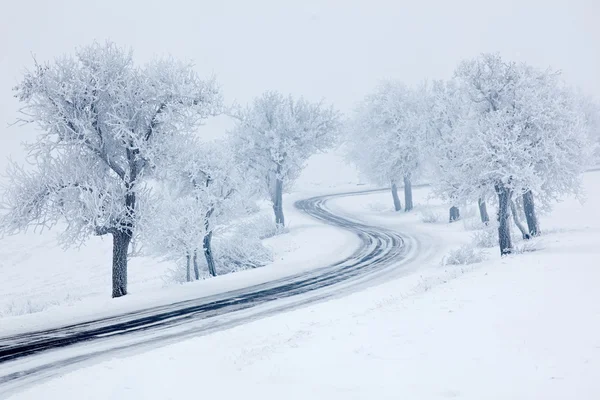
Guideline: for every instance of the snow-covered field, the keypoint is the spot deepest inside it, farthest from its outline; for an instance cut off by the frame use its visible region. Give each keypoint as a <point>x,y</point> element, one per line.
<point>522,327</point>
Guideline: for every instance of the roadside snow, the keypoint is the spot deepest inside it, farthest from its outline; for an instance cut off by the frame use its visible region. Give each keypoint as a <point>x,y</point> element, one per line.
<point>522,327</point>
<point>73,286</point>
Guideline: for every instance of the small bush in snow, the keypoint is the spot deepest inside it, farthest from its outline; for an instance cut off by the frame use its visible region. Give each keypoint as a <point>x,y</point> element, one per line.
<point>378,207</point>
<point>234,251</point>
<point>528,246</point>
<point>20,307</point>
<point>473,224</point>
<point>263,226</point>
<point>15,308</point>
<point>486,238</point>
<point>464,255</point>
<point>240,252</point>
<point>430,217</point>
<point>178,274</point>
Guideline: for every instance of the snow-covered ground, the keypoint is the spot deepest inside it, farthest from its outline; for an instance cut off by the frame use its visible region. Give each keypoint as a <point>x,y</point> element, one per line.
<point>73,285</point>
<point>522,327</point>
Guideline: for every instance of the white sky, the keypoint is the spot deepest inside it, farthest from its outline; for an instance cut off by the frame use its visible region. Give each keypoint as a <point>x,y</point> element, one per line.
<point>336,49</point>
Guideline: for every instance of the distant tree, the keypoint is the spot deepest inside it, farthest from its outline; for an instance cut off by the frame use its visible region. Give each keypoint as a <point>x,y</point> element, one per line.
<point>372,157</point>
<point>387,137</point>
<point>105,123</point>
<point>591,111</point>
<point>276,135</point>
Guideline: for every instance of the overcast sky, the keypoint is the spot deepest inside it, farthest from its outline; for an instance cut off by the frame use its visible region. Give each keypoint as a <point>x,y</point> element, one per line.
<point>336,49</point>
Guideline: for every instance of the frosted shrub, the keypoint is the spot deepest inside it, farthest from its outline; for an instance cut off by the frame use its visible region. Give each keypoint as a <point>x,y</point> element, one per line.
<point>528,246</point>
<point>485,238</point>
<point>429,216</point>
<point>29,306</point>
<point>263,226</point>
<point>178,273</point>
<point>232,252</point>
<point>20,308</point>
<point>239,252</point>
<point>473,224</point>
<point>464,255</point>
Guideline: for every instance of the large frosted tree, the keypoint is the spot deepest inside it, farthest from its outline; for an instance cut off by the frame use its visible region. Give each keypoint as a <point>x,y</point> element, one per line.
<point>275,136</point>
<point>522,133</point>
<point>104,124</point>
<point>387,137</point>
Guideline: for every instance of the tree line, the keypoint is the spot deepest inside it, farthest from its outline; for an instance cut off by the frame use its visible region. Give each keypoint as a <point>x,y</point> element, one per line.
<point>497,132</point>
<point>120,150</point>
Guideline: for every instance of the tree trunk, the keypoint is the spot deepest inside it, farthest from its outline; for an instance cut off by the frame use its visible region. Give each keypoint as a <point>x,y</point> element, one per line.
<point>454,214</point>
<point>515,215</point>
<point>408,199</point>
<point>121,240</point>
<point>483,213</point>
<point>505,241</point>
<point>122,237</point>
<point>188,267</point>
<point>196,267</point>
<point>278,203</point>
<point>397,204</point>
<point>530,216</point>
<point>210,261</point>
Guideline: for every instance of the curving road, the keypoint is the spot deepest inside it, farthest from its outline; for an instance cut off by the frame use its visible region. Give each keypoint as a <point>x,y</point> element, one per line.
<point>30,357</point>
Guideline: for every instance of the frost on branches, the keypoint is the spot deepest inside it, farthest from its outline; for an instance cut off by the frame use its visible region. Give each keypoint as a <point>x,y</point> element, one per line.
<point>520,133</point>
<point>446,111</point>
<point>387,137</point>
<point>591,112</point>
<point>105,124</point>
<point>276,135</point>
<point>203,190</point>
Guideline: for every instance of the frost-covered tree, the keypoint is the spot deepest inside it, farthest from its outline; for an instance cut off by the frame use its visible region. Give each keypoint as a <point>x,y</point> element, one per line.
<point>372,158</point>
<point>522,133</point>
<point>204,189</point>
<point>445,111</point>
<point>105,123</point>
<point>387,137</point>
<point>276,135</point>
<point>591,111</point>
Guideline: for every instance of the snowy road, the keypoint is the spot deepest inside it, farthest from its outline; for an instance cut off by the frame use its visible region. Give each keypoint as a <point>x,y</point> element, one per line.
<point>28,358</point>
